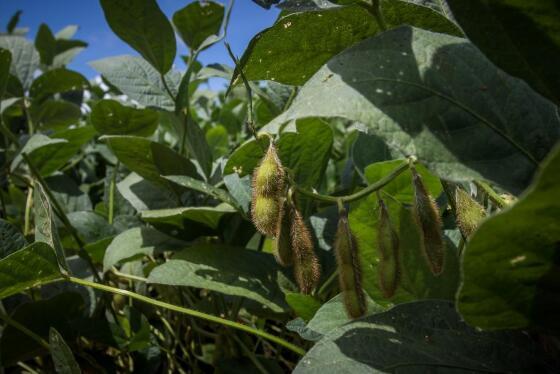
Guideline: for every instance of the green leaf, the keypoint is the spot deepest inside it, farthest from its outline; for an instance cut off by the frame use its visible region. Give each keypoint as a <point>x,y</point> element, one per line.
<point>218,140</point>
<point>109,117</point>
<point>510,266</point>
<point>45,226</point>
<point>209,216</point>
<point>304,306</point>
<point>14,20</point>
<point>197,21</point>
<point>229,270</point>
<point>58,80</point>
<point>5,61</point>
<point>205,188</point>
<point>67,32</point>
<point>136,243</point>
<point>437,97</point>
<point>419,337</point>
<point>55,114</point>
<point>520,37</point>
<point>331,315</point>
<point>31,266</point>
<point>11,239</point>
<point>63,358</point>
<point>90,226</point>
<point>296,46</point>
<point>45,43</point>
<point>143,26</point>
<point>307,152</point>
<point>40,149</point>
<point>150,159</point>
<point>139,80</point>
<point>246,157</point>
<point>60,312</point>
<point>144,195</point>
<point>240,190</point>
<point>368,149</point>
<point>68,194</point>
<point>417,282</point>
<point>25,59</point>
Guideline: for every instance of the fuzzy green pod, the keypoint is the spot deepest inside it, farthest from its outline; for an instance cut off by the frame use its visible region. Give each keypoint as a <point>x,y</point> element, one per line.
<point>349,268</point>
<point>264,213</point>
<point>269,176</point>
<point>469,213</point>
<point>388,245</point>
<point>307,269</point>
<point>283,251</point>
<point>427,217</point>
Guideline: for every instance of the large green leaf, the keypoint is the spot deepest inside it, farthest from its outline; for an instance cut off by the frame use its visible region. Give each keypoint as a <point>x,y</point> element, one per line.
<point>58,80</point>
<point>203,187</point>
<point>229,270</point>
<point>150,159</point>
<point>197,21</point>
<point>40,148</point>
<point>143,26</point>
<point>109,117</point>
<point>144,195</point>
<point>25,59</point>
<point>209,216</point>
<point>136,243</point>
<point>63,358</point>
<point>31,266</point>
<point>417,282</point>
<point>11,239</point>
<point>55,114</point>
<point>139,80</point>
<point>437,97</point>
<point>66,191</point>
<point>294,48</point>
<point>521,37</point>
<point>510,266</point>
<point>426,336</point>
<point>246,157</point>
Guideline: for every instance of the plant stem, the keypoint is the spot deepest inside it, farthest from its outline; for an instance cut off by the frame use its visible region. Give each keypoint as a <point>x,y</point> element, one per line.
<point>189,312</point>
<point>375,9</point>
<point>362,193</point>
<point>492,195</point>
<point>112,193</point>
<point>24,330</point>
<point>27,215</point>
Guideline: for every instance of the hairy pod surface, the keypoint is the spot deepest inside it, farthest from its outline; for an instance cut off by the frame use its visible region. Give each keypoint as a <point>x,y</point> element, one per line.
<point>264,213</point>
<point>283,244</point>
<point>427,217</point>
<point>469,212</point>
<point>388,244</point>
<point>269,176</point>
<point>307,269</point>
<point>349,269</point>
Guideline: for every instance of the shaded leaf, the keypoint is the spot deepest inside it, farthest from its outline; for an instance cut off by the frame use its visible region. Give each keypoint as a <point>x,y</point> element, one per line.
<point>45,43</point>
<point>209,216</point>
<point>11,239</point>
<point>437,97</point>
<point>143,26</point>
<point>510,266</point>
<point>109,117</point>
<point>420,336</point>
<point>63,358</point>
<point>197,21</point>
<point>31,266</point>
<point>229,270</point>
<point>58,80</point>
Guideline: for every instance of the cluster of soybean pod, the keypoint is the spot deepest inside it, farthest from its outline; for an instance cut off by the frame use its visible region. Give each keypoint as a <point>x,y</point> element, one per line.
<point>274,213</point>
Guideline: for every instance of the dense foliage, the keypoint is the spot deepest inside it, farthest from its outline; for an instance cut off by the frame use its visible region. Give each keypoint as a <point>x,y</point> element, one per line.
<point>377,190</point>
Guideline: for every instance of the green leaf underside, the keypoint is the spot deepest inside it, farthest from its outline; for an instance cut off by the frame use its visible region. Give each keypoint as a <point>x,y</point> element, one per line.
<point>197,21</point>
<point>510,266</point>
<point>209,216</point>
<point>109,117</point>
<point>415,337</point>
<point>229,270</point>
<point>437,97</point>
<point>25,59</point>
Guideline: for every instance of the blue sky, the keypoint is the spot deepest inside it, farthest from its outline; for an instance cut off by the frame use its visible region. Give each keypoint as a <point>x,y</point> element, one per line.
<point>247,19</point>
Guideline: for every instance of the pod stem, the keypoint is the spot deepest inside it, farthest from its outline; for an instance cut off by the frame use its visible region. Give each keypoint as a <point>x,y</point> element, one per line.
<point>362,193</point>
